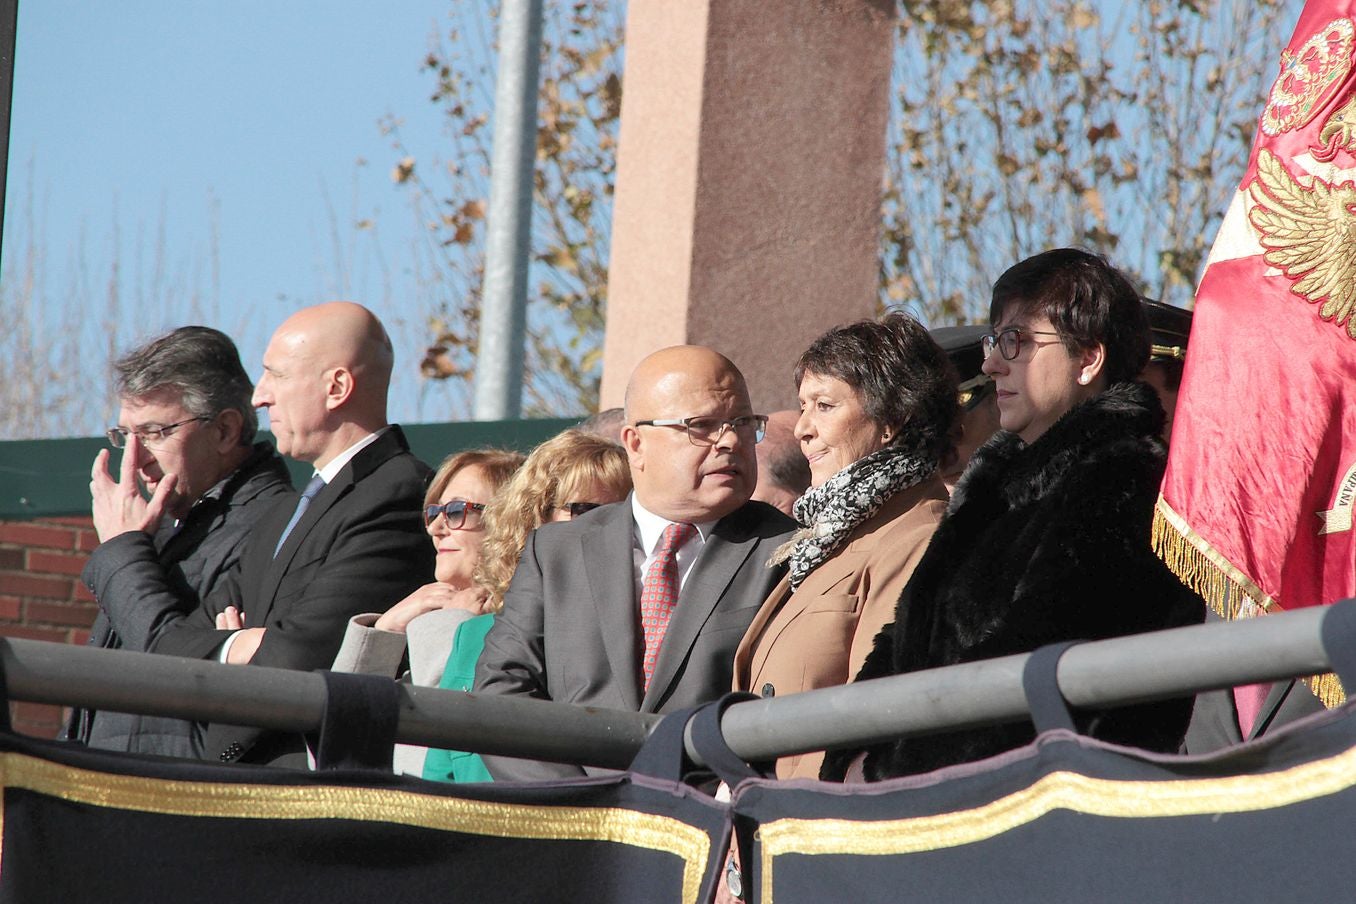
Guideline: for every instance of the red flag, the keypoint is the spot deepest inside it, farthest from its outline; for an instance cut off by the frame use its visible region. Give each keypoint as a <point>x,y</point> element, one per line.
<point>1257,504</point>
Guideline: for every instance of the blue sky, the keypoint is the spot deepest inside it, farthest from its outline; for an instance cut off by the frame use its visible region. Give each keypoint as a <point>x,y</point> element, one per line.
<point>212,150</point>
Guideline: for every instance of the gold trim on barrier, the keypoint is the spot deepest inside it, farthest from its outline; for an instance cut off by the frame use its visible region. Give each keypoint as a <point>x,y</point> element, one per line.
<point>1056,791</point>
<point>472,817</point>
<point>1225,589</point>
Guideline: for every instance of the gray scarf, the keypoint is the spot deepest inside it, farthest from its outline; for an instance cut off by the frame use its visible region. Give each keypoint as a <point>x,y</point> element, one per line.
<point>832,510</point>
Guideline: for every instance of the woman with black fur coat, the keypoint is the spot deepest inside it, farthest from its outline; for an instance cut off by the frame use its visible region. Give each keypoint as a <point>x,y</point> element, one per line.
<point>1046,537</point>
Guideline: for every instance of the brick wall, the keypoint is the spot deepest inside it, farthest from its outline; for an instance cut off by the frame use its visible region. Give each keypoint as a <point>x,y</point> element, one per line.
<point>42,598</point>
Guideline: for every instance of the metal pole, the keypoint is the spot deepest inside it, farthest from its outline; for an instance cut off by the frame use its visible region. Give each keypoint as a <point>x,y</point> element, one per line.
<point>9,24</point>
<point>286,700</point>
<point>1105,673</point>
<point>503,310</point>
<point>1154,666</point>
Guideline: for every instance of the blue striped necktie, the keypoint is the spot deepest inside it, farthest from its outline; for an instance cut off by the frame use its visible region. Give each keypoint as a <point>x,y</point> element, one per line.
<point>316,484</point>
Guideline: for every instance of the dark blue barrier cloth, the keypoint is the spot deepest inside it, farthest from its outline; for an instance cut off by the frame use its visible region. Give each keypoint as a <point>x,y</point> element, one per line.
<point>1069,819</point>
<point>81,825</point>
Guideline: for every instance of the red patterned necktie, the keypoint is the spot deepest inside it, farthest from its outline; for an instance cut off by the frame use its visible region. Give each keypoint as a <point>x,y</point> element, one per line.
<point>659,593</point>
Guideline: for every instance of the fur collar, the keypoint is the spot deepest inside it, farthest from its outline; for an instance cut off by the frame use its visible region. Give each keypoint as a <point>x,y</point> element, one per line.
<point>1005,467</point>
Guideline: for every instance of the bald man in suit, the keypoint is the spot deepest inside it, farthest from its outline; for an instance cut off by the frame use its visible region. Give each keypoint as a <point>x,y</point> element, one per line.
<point>573,625</point>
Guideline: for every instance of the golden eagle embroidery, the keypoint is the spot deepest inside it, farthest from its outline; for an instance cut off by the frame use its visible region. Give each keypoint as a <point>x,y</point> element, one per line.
<point>1338,133</point>
<point>1309,233</point>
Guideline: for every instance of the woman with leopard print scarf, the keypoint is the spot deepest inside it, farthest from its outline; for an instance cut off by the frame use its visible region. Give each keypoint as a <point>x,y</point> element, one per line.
<point>878,400</point>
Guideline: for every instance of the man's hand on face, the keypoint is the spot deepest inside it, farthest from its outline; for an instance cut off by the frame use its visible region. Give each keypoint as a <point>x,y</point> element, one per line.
<point>117,504</point>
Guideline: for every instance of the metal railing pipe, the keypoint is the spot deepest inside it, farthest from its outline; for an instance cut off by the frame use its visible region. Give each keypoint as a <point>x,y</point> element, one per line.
<point>522,727</point>
<point>285,700</point>
<point>1125,670</point>
<point>120,681</point>
<point>1105,673</point>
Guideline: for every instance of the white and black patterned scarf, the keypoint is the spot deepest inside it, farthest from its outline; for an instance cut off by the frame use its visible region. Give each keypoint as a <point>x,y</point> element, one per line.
<point>832,510</point>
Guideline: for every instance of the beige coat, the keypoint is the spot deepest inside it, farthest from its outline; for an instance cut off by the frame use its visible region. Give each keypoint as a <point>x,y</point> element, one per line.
<point>819,635</point>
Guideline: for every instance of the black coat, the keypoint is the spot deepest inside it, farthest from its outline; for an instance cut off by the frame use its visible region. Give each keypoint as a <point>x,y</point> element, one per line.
<point>1040,544</point>
<point>185,562</point>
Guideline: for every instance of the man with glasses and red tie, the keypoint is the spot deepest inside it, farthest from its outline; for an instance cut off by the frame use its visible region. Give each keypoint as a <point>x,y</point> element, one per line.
<point>354,539</point>
<point>639,605</point>
<point>187,430</point>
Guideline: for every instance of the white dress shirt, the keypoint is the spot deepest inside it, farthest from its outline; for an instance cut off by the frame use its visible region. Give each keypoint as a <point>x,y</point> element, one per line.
<point>650,530</point>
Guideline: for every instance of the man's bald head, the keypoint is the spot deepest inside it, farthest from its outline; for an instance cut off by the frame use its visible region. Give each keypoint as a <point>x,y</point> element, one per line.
<point>674,477</point>
<point>342,334</point>
<point>671,371</point>
<point>327,371</point>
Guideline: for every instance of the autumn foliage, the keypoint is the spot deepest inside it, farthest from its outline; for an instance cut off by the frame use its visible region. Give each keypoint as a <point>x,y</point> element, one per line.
<point>578,112</point>
<point>1017,125</point>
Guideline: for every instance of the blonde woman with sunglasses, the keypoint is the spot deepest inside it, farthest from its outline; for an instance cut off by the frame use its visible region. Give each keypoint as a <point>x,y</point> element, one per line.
<point>454,516</point>
<point>565,477</point>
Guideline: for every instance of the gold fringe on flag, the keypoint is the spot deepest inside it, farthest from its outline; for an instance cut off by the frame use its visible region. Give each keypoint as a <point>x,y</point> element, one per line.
<point>1225,589</point>
<point>1327,689</point>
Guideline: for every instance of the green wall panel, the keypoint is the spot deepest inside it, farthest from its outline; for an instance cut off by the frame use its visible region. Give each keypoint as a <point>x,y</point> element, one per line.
<point>44,477</point>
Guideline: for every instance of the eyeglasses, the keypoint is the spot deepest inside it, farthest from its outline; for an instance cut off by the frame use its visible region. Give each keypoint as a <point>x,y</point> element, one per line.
<point>578,508</point>
<point>707,431</point>
<point>1009,341</point>
<point>150,436</point>
<point>459,513</point>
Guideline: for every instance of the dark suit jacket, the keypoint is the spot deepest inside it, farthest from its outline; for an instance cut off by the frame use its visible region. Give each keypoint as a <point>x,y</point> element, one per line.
<point>360,547</point>
<point>570,628</point>
<point>1214,720</point>
<point>184,564</point>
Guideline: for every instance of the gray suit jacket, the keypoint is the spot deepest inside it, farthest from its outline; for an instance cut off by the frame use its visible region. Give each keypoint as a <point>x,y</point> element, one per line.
<point>570,629</point>
<point>1214,720</point>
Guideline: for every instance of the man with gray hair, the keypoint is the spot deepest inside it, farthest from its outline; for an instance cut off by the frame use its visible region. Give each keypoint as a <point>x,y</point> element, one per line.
<point>186,427</point>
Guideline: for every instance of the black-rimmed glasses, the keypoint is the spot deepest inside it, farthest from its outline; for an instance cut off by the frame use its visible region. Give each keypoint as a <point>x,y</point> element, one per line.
<point>1009,341</point>
<point>578,508</point>
<point>150,436</point>
<point>459,513</point>
<point>707,431</point>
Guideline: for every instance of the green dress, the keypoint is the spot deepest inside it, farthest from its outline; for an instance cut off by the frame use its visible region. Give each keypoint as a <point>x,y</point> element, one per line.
<point>458,765</point>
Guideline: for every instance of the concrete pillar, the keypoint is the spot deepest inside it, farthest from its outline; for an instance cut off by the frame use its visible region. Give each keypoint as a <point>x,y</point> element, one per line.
<point>750,161</point>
